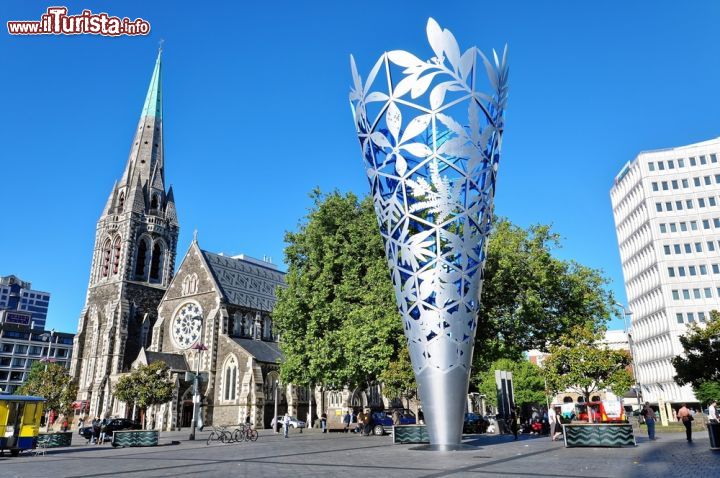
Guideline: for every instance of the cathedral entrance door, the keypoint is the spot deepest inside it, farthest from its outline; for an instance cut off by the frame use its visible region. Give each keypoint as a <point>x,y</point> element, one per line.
<point>187,411</point>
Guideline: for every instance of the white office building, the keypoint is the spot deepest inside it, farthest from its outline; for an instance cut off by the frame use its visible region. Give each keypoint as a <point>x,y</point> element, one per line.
<point>666,205</point>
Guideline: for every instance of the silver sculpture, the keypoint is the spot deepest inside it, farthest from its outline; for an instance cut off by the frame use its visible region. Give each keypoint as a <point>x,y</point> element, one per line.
<point>430,141</point>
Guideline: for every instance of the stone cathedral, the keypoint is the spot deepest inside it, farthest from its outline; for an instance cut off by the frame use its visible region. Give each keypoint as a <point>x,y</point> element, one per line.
<point>138,312</point>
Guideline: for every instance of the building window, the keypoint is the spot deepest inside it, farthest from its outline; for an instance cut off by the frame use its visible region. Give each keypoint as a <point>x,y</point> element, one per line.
<point>701,202</point>
<point>710,246</point>
<point>691,317</point>
<point>658,207</point>
<point>661,165</point>
<point>707,181</point>
<point>701,317</point>
<point>692,271</point>
<point>651,166</point>
<point>702,160</point>
<point>693,225</point>
<point>681,271</point>
<point>156,262</point>
<point>713,158</point>
<point>671,271</point>
<point>141,259</point>
<point>706,224</point>
<point>674,184</point>
<point>716,268</point>
<point>698,247</point>
<point>703,270</point>
<point>190,284</point>
<point>664,185</point>
<point>671,164</point>
<point>685,183</point>
<point>679,318</point>
<point>663,228</point>
<point>673,227</point>
<point>696,294</point>
<point>116,254</point>
<point>683,227</point>
<point>121,203</point>
<point>666,248</point>
<point>686,294</point>
<point>230,383</point>
<point>676,247</point>
<point>708,292</point>
<point>696,182</point>
<point>106,251</point>
<point>716,222</point>
<point>154,202</point>
<point>711,201</point>
<point>654,186</point>
<point>688,204</point>
<point>692,162</point>
<point>681,163</point>
<point>678,205</point>
<point>675,294</point>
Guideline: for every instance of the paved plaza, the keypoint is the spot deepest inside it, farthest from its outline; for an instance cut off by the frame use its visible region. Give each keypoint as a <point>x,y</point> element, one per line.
<point>313,454</point>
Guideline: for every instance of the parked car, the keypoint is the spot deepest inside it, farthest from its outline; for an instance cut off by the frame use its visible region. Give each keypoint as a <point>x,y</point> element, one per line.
<point>383,419</point>
<point>474,423</point>
<point>116,424</point>
<point>294,422</point>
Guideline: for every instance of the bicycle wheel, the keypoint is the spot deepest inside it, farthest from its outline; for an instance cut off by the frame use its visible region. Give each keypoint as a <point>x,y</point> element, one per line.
<point>211,437</point>
<point>237,435</point>
<point>252,434</point>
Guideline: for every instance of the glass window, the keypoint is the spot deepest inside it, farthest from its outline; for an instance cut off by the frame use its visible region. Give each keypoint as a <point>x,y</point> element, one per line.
<point>681,163</point>
<point>688,203</point>
<point>7,348</point>
<point>713,158</point>
<point>686,294</point>
<point>685,183</point>
<point>696,181</point>
<point>658,207</point>
<point>708,292</point>
<point>717,178</point>
<point>688,248</point>
<point>666,248</point>
<point>35,350</point>
<point>651,166</point>
<point>663,228</point>
<point>701,202</point>
<point>698,247</point>
<point>692,162</point>
<point>716,222</point>
<point>681,271</point>
<point>679,318</point>
<point>711,201</point>
<point>671,271</point>
<point>21,349</point>
<point>691,317</point>
<point>707,181</point>
<point>683,227</point>
<point>676,247</point>
<point>674,184</point>
<point>696,294</point>
<point>678,205</point>
<point>703,160</point>
<point>665,185</point>
<point>668,206</point>
<point>710,246</point>
<point>701,316</point>
<point>716,268</point>
<point>661,165</point>
<point>703,270</point>
<point>693,225</point>
<point>673,227</point>
<point>675,294</point>
<point>654,186</point>
<point>671,164</point>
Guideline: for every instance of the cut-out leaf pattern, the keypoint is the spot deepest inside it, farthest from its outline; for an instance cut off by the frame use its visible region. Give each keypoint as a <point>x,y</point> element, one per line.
<point>442,132</point>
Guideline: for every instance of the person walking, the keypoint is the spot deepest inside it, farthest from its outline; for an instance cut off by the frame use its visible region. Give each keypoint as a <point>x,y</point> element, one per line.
<point>323,422</point>
<point>650,418</point>
<point>346,421</point>
<point>552,422</point>
<point>103,430</point>
<point>514,424</point>
<point>686,418</point>
<point>712,412</point>
<point>286,425</point>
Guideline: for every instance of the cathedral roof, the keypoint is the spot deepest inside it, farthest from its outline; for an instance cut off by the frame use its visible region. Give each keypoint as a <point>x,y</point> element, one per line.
<point>243,282</point>
<point>174,361</point>
<point>153,100</point>
<point>263,351</point>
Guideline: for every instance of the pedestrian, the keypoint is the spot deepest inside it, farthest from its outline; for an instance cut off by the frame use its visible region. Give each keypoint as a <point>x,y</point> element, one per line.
<point>551,422</point>
<point>103,430</point>
<point>64,424</point>
<point>396,417</point>
<point>421,417</point>
<point>286,424</point>
<point>323,422</point>
<point>686,418</point>
<point>346,421</point>
<point>650,418</point>
<point>95,430</point>
<point>712,412</point>
<point>81,423</point>
<point>360,422</point>
<point>367,423</point>
<point>514,424</point>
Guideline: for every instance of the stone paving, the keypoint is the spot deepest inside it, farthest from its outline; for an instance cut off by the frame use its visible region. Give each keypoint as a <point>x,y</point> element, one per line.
<point>313,454</point>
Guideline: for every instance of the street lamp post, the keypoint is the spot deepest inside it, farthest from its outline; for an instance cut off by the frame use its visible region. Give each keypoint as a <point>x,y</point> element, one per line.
<point>626,319</point>
<point>276,407</point>
<point>47,359</point>
<point>199,349</point>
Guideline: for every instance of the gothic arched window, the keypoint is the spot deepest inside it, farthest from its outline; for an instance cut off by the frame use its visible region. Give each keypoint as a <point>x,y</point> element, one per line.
<point>105,259</point>
<point>190,284</point>
<point>121,202</point>
<point>230,379</point>
<point>267,328</point>
<point>156,263</point>
<point>237,324</point>
<point>140,259</point>
<point>154,202</point>
<point>116,254</point>
<point>248,325</point>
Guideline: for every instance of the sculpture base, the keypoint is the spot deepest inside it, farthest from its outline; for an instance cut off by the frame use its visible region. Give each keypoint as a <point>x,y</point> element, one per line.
<point>459,447</point>
<point>443,396</point>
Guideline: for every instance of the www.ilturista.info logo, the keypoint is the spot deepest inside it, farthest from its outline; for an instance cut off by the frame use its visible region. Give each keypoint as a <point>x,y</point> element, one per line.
<point>57,22</point>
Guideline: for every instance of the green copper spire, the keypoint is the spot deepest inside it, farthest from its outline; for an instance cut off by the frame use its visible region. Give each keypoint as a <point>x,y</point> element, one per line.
<point>153,100</point>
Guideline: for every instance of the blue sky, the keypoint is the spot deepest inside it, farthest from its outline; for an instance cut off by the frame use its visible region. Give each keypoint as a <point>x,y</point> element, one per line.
<point>256,114</point>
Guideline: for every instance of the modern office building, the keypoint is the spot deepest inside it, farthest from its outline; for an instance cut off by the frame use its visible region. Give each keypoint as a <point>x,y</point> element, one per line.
<point>16,294</point>
<point>667,218</point>
<point>21,346</point>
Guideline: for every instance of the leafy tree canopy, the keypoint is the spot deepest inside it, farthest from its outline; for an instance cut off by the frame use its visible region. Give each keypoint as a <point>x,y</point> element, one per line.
<point>580,364</point>
<point>52,382</point>
<point>708,391</point>
<point>146,385</point>
<point>398,378</point>
<point>700,362</point>
<point>337,318</point>
<point>530,297</point>
<point>528,381</point>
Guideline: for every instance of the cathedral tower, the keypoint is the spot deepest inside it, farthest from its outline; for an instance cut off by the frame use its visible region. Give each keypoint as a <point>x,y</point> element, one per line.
<point>132,265</point>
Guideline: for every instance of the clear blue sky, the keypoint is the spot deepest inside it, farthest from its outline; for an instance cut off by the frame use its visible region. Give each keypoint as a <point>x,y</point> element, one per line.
<point>256,114</point>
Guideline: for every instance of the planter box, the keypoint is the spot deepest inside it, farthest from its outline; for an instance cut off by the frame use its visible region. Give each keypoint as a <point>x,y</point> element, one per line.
<point>410,434</point>
<point>599,434</point>
<point>54,440</point>
<point>136,438</point>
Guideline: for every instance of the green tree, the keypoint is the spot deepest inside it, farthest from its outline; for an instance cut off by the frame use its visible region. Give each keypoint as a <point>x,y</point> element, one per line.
<point>398,378</point>
<point>337,318</point>
<point>699,365</point>
<point>528,382</point>
<point>52,382</point>
<point>145,386</point>
<point>580,364</point>
<point>530,297</point>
